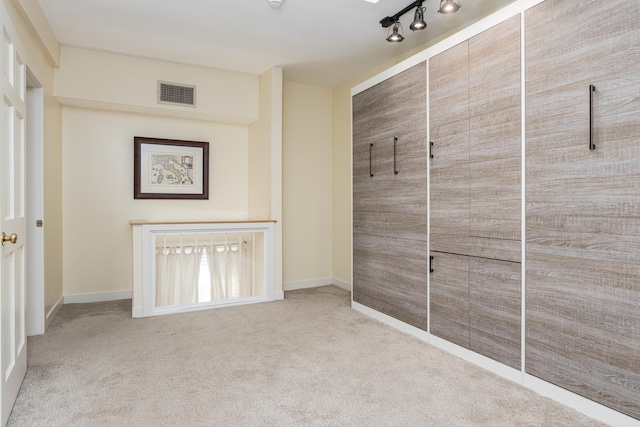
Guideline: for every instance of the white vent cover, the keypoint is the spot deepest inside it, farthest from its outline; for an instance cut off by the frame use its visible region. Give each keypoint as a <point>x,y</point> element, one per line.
<point>176,94</point>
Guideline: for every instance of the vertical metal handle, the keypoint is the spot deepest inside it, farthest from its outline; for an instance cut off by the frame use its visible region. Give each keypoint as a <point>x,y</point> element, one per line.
<point>395,141</point>
<point>430,267</point>
<point>592,89</point>
<point>431,149</point>
<point>370,149</point>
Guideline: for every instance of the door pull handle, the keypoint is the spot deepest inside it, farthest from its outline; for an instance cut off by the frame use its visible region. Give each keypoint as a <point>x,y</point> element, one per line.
<point>370,149</point>
<point>592,89</point>
<point>395,141</point>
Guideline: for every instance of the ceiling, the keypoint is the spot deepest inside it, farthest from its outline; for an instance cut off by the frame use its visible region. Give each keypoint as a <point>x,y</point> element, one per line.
<point>320,42</point>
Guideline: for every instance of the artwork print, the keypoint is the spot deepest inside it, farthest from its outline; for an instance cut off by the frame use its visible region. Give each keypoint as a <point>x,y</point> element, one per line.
<point>170,169</point>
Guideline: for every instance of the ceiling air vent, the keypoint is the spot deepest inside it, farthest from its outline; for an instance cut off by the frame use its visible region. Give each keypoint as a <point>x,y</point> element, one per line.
<point>176,94</point>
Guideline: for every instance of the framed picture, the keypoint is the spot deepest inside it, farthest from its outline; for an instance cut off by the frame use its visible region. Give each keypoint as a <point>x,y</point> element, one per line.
<point>170,169</point>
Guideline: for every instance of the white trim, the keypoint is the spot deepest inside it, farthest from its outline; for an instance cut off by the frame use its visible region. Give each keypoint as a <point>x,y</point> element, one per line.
<point>523,199</point>
<point>391,321</point>
<point>462,353</point>
<point>278,295</point>
<point>144,235</point>
<point>581,404</point>
<point>35,286</point>
<point>96,297</point>
<point>477,359</point>
<point>305,284</point>
<point>53,313</point>
<point>342,284</point>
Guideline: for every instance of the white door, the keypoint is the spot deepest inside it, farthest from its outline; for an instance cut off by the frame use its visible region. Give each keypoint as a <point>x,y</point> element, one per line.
<point>13,359</point>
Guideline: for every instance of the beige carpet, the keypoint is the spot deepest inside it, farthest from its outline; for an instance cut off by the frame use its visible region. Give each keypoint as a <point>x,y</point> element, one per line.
<point>309,360</point>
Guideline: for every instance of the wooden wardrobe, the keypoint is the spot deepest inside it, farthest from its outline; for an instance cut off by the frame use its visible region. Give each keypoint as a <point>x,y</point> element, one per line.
<point>390,197</point>
<point>567,73</point>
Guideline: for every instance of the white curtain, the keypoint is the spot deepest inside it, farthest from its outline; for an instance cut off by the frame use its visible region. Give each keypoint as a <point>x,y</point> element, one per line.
<point>177,270</point>
<point>229,266</point>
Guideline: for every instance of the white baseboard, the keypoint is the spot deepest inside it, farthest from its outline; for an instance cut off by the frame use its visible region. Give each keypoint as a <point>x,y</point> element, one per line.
<point>304,284</point>
<point>342,284</point>
<point>96,297</point>
<point>315,283</point>
<point>48,318</point>
<point>278,295</point>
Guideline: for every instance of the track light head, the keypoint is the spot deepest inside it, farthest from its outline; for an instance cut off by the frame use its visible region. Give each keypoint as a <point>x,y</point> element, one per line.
<point>418,20</point>
<point>449,6</point>
<point>395,36</point>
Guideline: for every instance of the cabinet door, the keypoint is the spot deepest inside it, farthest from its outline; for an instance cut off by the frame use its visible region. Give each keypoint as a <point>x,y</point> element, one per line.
<point>449,134</point>
<point>583,206</point>
<point>495,309</point>
<point>449,297</point>
<point>495,132</point>
<point>389,208</point>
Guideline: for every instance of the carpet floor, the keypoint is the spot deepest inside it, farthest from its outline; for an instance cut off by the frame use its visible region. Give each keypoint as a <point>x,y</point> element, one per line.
<point>309,360</point>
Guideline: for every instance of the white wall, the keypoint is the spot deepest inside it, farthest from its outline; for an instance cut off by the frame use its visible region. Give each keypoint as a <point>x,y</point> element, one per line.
<point>307,185</point>
<point>98,189</point>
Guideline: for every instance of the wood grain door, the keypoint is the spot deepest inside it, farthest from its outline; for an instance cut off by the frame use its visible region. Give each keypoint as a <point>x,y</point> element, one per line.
<point>495,132</point>
<point>389,197</point>
<point>449,134</point>
<point>495,309</point>
<point>449,297</point>
<point>583,205</point>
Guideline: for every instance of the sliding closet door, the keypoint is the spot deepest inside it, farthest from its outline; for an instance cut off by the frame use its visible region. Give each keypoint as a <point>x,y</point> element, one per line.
<point>389,197</point>
<point>583,199</point>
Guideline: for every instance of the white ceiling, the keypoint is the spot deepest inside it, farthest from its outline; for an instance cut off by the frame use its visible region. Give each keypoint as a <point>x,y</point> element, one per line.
<point>321,42</point>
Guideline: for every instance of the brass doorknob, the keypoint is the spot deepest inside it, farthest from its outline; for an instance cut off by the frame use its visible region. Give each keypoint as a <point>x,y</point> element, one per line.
<point>13,238</point>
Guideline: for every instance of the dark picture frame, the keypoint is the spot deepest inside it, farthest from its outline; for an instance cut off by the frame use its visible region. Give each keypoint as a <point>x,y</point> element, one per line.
<point>170,169</point>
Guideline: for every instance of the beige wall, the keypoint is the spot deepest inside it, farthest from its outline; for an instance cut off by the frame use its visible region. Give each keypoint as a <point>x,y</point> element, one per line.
<point>341,168</point>
<point>98,189</point>
<point>39,60</point>
<point>265,162</point>
<point>307,183</point>
<point>88,78</point>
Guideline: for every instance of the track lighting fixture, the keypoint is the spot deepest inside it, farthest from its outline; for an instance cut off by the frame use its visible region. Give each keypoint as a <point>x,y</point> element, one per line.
<point>395,36</point>
<point>418,20</point>
<point>449,6</point>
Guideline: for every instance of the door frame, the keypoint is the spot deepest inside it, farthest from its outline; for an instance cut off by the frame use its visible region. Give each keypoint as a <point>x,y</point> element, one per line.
<point>35,313</point>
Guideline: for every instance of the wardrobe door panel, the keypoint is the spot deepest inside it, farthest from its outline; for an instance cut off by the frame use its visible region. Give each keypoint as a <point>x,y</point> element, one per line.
<point>583,233</point>
<point>449,133</point>
<point>449,297</point>
<point>494,68</point>
<point>495,131</point>
<point>495,309</point>
<point>390,197</point>
<point>380,284</point>
<point>495,175</point>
